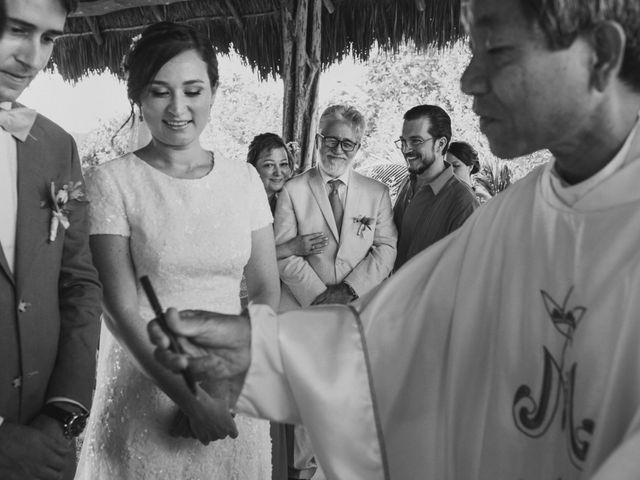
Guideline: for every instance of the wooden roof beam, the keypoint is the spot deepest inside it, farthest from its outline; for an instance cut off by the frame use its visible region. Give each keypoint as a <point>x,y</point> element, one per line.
<point>193,20</point>
<point>97,8</point>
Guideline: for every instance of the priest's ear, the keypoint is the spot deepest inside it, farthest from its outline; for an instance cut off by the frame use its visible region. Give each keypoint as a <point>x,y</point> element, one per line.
<point>608,42</point>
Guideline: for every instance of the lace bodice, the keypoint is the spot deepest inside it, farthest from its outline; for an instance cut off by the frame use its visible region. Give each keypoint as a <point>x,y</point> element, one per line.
<point>192,237</point>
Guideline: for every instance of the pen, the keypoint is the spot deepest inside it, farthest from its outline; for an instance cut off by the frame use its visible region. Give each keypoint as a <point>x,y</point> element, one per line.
<point>175,345</point>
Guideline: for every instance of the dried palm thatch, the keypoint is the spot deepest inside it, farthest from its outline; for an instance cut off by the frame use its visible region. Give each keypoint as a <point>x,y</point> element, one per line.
<point>95,41</point>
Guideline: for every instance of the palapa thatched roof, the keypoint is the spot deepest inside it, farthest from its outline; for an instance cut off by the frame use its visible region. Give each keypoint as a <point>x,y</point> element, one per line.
<point>95,41</point>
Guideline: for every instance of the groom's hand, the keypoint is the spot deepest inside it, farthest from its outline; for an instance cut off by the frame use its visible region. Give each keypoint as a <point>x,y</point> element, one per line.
<point>27,453</point>
<point>217,347</point>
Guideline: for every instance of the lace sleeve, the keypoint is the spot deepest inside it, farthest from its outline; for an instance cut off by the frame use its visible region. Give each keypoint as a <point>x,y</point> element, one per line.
<point>259,204</point>
<point>107,213</point>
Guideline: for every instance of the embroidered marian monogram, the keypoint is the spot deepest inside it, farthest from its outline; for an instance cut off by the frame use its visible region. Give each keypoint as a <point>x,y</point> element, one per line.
<point>534,417</point>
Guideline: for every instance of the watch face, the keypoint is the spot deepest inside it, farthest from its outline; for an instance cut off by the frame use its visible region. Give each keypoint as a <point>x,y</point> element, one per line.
<point>76,424</point>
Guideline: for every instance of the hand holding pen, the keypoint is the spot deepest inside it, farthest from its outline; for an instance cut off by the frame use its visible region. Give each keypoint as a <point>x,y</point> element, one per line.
<point>175,345</point>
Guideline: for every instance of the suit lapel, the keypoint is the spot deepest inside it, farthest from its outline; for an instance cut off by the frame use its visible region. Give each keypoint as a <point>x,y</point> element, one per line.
<point>351,207</point>
<point>32,185</point>
<point>320,193</point>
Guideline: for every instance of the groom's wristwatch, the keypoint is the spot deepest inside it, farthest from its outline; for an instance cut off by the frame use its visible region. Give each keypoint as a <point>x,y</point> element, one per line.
<point>73,423</point>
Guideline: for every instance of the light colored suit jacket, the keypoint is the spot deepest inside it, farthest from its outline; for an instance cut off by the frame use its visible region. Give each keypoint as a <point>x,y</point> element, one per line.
<point>50,306</point>
<point>363,261</point>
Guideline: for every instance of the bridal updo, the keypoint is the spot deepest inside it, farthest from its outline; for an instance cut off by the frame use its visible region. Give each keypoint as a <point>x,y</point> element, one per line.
<point>158,44</point>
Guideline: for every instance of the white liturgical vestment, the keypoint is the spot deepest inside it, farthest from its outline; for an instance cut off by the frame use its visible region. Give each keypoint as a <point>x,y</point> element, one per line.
<point>508,350</point>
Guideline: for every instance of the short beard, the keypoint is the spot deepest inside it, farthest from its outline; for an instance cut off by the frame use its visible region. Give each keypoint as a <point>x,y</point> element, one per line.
<point>417,171</point>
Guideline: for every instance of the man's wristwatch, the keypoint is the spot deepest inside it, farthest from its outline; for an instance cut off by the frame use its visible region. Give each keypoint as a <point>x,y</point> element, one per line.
<point>73,423</point>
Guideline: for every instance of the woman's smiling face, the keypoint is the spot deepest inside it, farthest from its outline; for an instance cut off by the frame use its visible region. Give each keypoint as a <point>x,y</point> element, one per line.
<point>177,102</point>
<point>274,169</point>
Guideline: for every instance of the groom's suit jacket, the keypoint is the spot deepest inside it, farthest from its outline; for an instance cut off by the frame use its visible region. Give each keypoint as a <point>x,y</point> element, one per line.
<point>363,261</point>
<point>50,304</point>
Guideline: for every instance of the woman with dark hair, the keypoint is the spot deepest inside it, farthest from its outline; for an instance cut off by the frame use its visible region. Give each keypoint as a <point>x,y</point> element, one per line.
<point>190,220</point>
<point>465,163</point>
<point>463,158</point>
<point>274,161</point>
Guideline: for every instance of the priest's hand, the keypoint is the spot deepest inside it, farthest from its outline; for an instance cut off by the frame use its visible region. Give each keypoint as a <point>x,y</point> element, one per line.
<point>217,348</point>
<point>340,293</point>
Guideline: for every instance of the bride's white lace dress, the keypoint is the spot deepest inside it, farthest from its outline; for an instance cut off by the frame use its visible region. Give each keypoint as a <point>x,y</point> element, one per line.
<point>192,238</point>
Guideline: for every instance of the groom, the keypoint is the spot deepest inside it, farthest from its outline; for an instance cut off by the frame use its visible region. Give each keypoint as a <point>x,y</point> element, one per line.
<point>49,289</point>
<point>509,349</point>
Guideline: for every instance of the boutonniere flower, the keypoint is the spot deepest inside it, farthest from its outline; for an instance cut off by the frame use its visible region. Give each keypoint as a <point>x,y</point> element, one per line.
<point>62,200</point>
<point>364,223</point>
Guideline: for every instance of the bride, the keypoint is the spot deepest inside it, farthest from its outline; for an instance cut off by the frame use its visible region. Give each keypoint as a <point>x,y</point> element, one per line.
<point>191,221</point>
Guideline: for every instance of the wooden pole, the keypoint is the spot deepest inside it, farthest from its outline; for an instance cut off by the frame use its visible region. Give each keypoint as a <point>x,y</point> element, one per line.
<point>302,22</point>
<point>311,112</point>
<point>288,34</point>
<point>104,7</point>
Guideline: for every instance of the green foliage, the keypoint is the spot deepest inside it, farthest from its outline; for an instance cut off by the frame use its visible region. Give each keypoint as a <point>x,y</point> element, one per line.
<point>494,176</point>
<point>98,147</point>
<point>244,107</point>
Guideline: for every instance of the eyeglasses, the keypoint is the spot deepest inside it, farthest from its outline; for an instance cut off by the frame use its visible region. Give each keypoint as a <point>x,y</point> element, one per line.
<point>401,143</point>
<point>332,142</point>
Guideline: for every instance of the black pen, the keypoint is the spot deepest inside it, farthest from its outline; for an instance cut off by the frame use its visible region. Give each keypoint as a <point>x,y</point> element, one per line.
<point>175,345</point>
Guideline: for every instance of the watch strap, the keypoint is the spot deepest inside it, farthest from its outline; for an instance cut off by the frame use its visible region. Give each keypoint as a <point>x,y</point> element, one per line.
<point>73,423</point>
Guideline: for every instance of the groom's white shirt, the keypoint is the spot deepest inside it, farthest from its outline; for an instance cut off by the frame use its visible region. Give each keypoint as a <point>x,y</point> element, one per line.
<point>518,376</point>
<point>8,192</point>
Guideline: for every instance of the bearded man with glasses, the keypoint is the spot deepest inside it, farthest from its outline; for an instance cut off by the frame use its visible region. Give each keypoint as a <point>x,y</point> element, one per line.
<point>432,202</point>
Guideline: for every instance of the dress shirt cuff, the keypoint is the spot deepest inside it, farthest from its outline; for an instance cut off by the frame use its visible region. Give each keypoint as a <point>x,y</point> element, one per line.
<point>67,400</point>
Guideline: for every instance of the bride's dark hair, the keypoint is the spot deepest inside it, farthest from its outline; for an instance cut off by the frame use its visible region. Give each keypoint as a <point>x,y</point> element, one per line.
<point>158,44</point>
